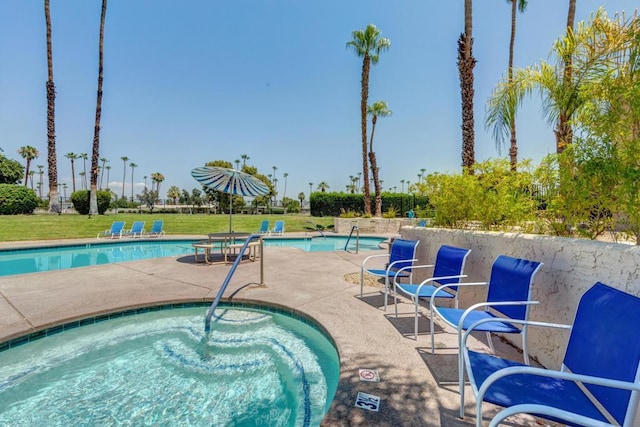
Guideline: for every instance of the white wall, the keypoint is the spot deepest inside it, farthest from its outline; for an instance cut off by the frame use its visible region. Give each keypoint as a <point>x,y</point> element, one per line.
<point>571,266</point>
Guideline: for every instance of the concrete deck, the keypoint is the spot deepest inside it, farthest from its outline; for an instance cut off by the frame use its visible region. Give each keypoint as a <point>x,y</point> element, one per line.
<point>417,388</point>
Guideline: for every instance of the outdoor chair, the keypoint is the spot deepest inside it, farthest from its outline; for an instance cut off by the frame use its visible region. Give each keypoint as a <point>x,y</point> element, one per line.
<point>598,383</point>
<point>402,255</point>
<point>447,272</point>
<point>116,230</point>
<point>508,298</point>
<point>157,228</point>
<point>278,228</point>
<point>264,227</point>
<point>136,230</point>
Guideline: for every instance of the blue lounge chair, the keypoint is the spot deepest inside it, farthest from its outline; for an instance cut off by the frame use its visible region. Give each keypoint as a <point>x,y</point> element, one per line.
<point>264,227</point>
<point>600,372</point>
<point>136,230</point>
<point>447,272</point>
<point>156,228</point>
<point>401,256</point>
<point>278,228</point>
<point>116,230</point>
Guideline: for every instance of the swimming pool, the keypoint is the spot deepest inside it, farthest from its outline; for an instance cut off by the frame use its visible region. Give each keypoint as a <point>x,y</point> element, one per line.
<point>60,257</point>
<point>256,367</point>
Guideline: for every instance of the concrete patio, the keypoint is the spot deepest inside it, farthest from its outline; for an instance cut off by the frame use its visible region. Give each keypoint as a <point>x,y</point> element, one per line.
<point>417,388</point>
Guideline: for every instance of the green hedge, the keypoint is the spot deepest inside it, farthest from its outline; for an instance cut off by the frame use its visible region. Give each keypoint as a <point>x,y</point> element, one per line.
<point>335,204</point>
<point>80,200</point>
<point>17,200</point>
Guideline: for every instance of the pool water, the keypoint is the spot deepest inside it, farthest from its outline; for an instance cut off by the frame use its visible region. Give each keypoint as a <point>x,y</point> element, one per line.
<point>63,257</point>
<point>255,368</point>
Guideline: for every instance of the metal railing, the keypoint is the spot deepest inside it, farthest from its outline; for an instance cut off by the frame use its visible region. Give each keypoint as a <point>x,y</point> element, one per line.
<point>207,321</point>
<point>315,227</point>
<point>357,230</point>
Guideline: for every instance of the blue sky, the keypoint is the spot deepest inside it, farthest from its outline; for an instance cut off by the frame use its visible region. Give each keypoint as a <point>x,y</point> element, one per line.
<point>195,81</point>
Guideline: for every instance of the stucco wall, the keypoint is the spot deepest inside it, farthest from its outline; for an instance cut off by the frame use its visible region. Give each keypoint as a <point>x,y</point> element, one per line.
<point>570,267</point>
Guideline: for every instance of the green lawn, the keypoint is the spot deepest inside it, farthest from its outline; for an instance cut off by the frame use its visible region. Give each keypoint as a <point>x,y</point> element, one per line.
<point>69,226</point>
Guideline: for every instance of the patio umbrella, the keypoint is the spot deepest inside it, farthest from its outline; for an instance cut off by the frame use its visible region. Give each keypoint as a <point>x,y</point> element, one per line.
<point>230,181</point>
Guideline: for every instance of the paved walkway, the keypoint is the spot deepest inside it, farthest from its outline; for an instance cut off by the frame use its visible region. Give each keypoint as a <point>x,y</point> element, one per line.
<point>417,388</point>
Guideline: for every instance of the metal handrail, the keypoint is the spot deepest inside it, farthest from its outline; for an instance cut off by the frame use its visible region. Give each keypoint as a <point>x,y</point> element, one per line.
<point>316,228</point>
<point>207,321</point>
<point>357,230</point>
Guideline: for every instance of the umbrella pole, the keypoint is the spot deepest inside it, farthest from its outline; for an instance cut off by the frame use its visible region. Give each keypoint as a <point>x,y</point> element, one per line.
<point>230,211</point>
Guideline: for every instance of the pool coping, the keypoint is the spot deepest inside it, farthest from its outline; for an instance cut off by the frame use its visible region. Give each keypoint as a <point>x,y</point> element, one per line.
<point>311,283</point>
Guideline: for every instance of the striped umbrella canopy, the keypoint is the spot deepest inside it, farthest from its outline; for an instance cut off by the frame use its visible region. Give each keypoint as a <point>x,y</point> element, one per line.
<point>230,181</point>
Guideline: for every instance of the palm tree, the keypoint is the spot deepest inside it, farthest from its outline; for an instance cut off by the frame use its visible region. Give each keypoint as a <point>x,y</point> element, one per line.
<point>274,173</point>
<point>103,160</point>
<point>31,173</point>
<point>323,186</point>
<point>82,176</point>
<point>108,168</point>
<point>145,180</point>
<point>95,156</point>
<point>513,146</point>
<point>72,157</point>
<point>28,153</point>
<point>132,166</point>
<point>301,197</point>
<point>41,173</point>
<point>310,190</point>
<point>174,194</point>
<point>125,159</point>
<point>367,44</point>
<point>284,193</point>
<point>402,188</point>
<point>157,177</point>
<point>466,63</point>
<point>375,110</point>
<point>244,158</point>
<point>54,196</point>
<point>237,162</point>
<point>84,158</point>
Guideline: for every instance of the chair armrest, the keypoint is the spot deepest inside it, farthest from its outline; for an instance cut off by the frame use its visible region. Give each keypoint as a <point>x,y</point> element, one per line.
<point>364,261</point>
<point>516,370</point>
<point>441,287</point>
<point>410,267</point>
<point>390,266</point>
<point>491,304</point>
<point>537,409</point>
<point>516,321</point>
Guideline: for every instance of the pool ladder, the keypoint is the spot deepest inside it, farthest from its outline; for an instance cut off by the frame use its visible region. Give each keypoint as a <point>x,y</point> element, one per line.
<point>315,227</point>
<point>357,230</point>
<point>212,308</point>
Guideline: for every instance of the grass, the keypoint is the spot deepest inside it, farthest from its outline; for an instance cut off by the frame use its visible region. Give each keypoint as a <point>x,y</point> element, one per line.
<point>71,226</point>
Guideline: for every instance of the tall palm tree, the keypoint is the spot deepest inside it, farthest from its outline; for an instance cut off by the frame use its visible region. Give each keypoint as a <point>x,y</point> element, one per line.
<point>132,166</point>
<point>367,44</point>
<point>284,193</point>
<point>244,158</point>
<point>84,157</point>
<point>563,131</point>
<point>402,188</point>
<point>108,168</point>
<point>72,157</point>
<point>41,173</point>
<point>31,174</point>
<point>54,196</point>
<point>237,162</point>
<point>513,146</point>
<point>375,110</point>
<point>125,159</point>
<point>103,160</point>
<point>466,63</point>
<point>95,154</point>
<point>28,153</point>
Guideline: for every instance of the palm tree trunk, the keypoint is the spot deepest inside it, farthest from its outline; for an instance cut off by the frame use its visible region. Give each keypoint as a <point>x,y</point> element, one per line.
<point>466,63</point>
<point>95,155</point>
<point>563,131</point>
<point>366,62</point>
<point>513,146</point>
<point>54,197</point>
<point>374,170</point>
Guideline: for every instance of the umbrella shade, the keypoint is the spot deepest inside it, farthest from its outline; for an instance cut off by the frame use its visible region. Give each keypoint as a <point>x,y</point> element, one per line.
<point>230,181</point>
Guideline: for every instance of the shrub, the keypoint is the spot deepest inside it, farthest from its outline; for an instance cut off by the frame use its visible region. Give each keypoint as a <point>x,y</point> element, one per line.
<point>80,200</point>
<point>17,200</point>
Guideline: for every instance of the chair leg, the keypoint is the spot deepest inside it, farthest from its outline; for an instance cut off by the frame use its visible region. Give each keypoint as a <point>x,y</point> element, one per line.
<point>361,280</point>
<point>386,291</point>
<point>431,330</point>
<point>415,332</point>
<point>461,370</point>
<point>493,351</point>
